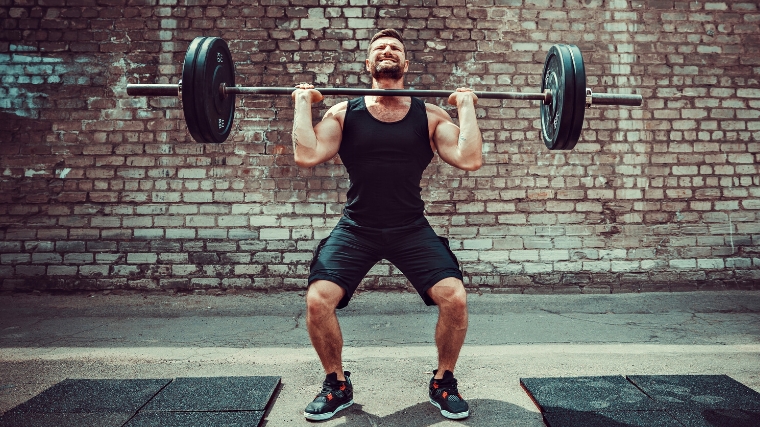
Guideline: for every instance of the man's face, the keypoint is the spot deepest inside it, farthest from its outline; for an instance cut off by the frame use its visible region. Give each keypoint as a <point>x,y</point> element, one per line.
<point>387,59</point>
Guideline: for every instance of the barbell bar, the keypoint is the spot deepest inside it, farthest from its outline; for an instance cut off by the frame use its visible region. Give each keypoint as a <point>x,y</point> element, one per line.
<point>207,90</point>
<point>174,89</point>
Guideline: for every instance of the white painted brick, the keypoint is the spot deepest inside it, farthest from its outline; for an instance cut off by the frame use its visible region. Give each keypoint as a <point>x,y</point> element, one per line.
<point>624,266</point>
<point>180,233</point>
<point>361,23</point>
<point>201,221</point>
<point>554,255</point>
<point>466,256</point>
<point>246,209</point>
<point>233,220</point>
<point>478,244</point>
<point>205,282</point>
<point>296,257</point>
<point>274,234</point>
<point>191,173</point>
<point>683,263</point>
<point>148,233</point>
<point>264,221</point>
<point>711,264</point>
<point>46,258</point>
<point>612,253</point>
<point>525,255</point>
<point>108,258</point>
<point>648,264</point>
<point>537,268</point>
<point>94,270</point>
<point>184,269</point>
<point>596,266</point>
<point>494,256</point>
<point>738,263</point>
<point>212,233</point>
<point>125,270</point>
<point>572,266</point>
<point>301,233</point>
<point>62,270</point>
<point>142,258</point>
<point>295,222</point>
<point>78,258</point>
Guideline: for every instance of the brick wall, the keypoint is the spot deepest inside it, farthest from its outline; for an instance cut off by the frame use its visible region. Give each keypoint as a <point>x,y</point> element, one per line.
<point>99,190</point>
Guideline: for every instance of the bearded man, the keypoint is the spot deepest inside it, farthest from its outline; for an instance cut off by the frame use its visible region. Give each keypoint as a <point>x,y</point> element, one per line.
<point>385,143</point>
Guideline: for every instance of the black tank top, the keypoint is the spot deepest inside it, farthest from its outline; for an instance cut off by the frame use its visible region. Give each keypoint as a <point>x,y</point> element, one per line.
<point>385,162</point>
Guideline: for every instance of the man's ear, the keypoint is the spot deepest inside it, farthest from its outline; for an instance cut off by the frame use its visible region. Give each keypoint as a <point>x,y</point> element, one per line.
<point>366,64</point>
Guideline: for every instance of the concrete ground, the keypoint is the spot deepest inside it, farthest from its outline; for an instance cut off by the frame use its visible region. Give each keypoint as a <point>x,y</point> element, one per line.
<point>388,346</point>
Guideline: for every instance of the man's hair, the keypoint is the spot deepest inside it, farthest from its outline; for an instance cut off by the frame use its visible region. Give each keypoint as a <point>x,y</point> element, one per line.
<point>388,32</point>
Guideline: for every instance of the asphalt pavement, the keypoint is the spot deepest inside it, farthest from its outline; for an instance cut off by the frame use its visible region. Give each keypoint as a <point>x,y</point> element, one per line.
<point>389,346</point>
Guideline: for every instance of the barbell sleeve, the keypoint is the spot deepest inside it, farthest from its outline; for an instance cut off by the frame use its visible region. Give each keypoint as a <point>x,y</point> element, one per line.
<point>152,89</point>
<point>617,99</point>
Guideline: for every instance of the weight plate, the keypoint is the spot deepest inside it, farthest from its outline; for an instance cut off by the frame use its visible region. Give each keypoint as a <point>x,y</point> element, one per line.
<point>556,118</point>
<point>214,110</point>
<point>579,101</point>
<point>188,89</point>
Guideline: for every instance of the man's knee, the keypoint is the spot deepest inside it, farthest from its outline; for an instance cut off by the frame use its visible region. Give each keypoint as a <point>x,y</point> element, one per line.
<point>449,293</point>
<point>323,297</point>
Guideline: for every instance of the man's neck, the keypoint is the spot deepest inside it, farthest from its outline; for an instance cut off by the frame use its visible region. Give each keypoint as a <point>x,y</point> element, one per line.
<point>389,84</point>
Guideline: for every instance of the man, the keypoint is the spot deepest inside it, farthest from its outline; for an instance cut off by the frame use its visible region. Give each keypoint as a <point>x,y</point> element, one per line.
<point>386,143</point>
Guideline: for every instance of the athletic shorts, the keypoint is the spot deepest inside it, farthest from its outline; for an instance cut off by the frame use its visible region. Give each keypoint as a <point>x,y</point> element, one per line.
<point>348,253</point>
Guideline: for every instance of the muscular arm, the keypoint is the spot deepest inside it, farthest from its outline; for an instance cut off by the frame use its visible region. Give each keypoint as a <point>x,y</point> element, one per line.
<point>313,145</point>
<point>460,146</point>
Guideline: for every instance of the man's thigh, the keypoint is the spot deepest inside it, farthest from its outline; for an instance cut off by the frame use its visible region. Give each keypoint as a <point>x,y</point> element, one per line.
<point>343,258</point>
<point>425,259</point>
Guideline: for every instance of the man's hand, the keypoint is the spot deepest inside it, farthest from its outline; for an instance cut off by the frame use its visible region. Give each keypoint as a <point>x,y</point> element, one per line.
<point>461,94</point>
<point>307,92</point>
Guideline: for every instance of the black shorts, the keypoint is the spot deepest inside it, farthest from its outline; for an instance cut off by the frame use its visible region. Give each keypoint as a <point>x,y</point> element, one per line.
<point>348,253</point>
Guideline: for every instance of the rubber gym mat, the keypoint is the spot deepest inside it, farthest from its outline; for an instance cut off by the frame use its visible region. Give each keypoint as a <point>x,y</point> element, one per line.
<point>587,394</point>
<point>217,401</point>
<point>605,401</point>
<point>703,400</point>
<point>645,400</point>
<point>85,402</point>
<point>215,394</point>
<point>193,419</point>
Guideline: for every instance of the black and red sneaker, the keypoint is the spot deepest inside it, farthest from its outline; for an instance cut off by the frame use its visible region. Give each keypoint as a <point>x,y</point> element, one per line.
<point>445,396</point>
<point>335,396</point>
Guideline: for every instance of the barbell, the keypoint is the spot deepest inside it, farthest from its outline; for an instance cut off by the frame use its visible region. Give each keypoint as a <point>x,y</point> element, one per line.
<point>207,90</point>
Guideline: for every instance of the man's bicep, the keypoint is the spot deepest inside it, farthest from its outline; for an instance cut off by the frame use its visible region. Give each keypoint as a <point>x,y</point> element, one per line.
<point>446,140</point>
<point>329,134</point>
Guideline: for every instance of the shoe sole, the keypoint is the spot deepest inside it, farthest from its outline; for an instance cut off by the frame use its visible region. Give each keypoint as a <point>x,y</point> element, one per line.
<point>327,415</point>
<point>451,415</point>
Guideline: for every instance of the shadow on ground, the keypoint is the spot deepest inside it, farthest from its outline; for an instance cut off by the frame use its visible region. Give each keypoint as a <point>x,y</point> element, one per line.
<point>483,412</point>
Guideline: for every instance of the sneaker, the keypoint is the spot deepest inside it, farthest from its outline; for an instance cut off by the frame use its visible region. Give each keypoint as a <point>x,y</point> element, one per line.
<point>445,396</point>
<point>335,396</point>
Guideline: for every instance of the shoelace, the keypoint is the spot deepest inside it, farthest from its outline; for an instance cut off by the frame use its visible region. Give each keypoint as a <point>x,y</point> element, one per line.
<point>328,387</point>
<point>450,388</point>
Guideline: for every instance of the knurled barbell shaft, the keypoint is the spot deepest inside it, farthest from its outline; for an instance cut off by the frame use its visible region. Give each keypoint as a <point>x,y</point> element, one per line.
<point>173,89</point>
<point>385,92</point>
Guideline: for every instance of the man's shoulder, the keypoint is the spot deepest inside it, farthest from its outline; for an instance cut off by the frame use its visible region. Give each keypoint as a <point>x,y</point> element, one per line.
<point>437,112</point>
<point>338,109</point>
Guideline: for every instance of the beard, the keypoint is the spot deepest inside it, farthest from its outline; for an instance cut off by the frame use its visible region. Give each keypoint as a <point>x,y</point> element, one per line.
<point>382,71</point>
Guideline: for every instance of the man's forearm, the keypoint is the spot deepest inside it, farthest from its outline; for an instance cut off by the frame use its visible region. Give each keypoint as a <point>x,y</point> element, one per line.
<point>303,134</point>
<point>470,140</point>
